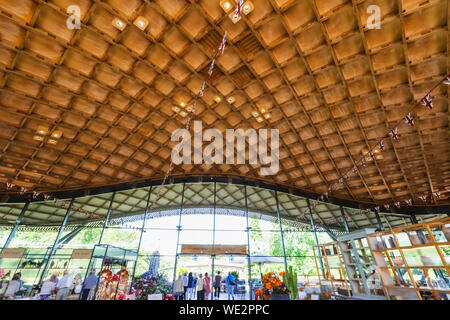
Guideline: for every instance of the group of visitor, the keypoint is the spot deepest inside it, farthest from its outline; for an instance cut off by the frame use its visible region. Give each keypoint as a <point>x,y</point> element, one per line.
<point>187,287</point>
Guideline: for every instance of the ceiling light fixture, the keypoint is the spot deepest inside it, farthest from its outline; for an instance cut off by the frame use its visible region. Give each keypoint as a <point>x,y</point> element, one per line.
<point>42,130</point>
<point>231,100</point>
<point>57,134</point>
<point>189,109</point>
<point>217,99</point>
<point>234,18</point>
<point>141,23</point>
<point>260,119</point>
<point>175,109</point>
<point>183,113</point>
<point>267,116</point>
<point>255,114</point>
<point>182,104</point>
<point>119,24</point>
<point>226,5</point>
<point>38,138</point>
<point>52,141</point>
<point>247,7</point>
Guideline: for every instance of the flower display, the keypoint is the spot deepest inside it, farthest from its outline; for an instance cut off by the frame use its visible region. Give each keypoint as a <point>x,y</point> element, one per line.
<point>148,284</point>
<point>272,284</point>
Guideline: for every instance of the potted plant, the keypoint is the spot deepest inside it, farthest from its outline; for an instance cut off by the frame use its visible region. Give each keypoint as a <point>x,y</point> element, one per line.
<point>151,287</point>
<point>273,287</point>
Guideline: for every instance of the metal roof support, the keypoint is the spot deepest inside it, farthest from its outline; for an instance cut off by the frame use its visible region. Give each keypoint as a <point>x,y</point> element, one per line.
<point>58,237</point>
<point>213,257</point>
<point>178,235</point>
<point>413,218</point>
<point>281,230</point>
<point>68,237</point>
<point>248,246</point>
<point>107,217</point>
<point>142,231</point>
<point>16,225</point>
<point>316,240</point>
<point>345,219</point>
<point>380,224</point>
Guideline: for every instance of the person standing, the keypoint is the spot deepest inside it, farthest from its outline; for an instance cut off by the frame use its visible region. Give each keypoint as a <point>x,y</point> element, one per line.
<point>185,284</point>
<point>194,287</point>
<point>89,283</point>
<point>13,287</point>
<point>48,287</point>
<point>64,286</point>
<point>207,286</point>
<point>178,288</point>
<point>190,286</point>
<point>217,283</point>
<point>200,286</point>
<point>231,284</point>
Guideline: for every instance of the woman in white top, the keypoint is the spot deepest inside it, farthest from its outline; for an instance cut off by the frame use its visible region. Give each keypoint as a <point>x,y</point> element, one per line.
<point>47,288</point>
<point>178,288</point>
<point>200,287</point>
<point>13,287</point>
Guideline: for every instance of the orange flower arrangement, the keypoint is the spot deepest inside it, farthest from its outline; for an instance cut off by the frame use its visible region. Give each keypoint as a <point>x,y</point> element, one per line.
<point>272,283</point>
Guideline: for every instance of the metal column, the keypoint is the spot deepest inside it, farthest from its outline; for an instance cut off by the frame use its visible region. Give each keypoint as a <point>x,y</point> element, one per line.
<point>142,230</point>
<point>213,257</point>
<point>345,219</point>
<point>58,237</point>
<point>16,225</point>
<point>281,230</point>
<point>250,294</point>
<point>380,224</point>
<point>107,217</point>
<point>316,240</point>
<point>178,236</point>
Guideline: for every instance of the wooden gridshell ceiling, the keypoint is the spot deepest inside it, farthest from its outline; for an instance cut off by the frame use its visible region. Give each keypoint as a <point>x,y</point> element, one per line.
<point>333,87</point>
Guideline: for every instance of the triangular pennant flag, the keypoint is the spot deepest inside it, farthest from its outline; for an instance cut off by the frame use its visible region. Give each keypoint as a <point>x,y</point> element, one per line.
<point>423,198</point>
<point>211,67</point>
<point>437,194</point>
<point>447,80</point>
<point>427,101</point>
<point>223,43</point>
<point>381,145</point>
<point>55,200</point>
<point>238,10</point>
<point>326,194</point>
<point>371,154</point>
<point>397,204</point>
<point>355,169</point>
<point>387,206</point>
<point>377,208</point>
<point>202,90</point>
<point>409,202</point>
<point>36,194</point>
<point>409,119</point>
<point>362,162</point>
<point>23,190</point>
<point>393,133</point>
<point>47,196</point>
<point>341,180</point>
<point>9,185</point>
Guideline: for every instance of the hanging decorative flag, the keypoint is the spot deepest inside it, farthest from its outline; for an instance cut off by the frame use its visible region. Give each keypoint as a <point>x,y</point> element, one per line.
<point>437,194</point>
<point>35,194</point>
<point>55,200</point>
<point>423,198</point>
<point>397,204</point>
<point>371,154</point>
<point>202,90</point>
<point>409,119</point>
<point>381,145</point>
<point>377,208</point>
<point>362,162</point>
<point>223,44</point>
<point>354,169</point>
<point>409,202</point>
<point>321,198</point>
<point>387,206</point>
<point>238,10</point>
<point>347,175</point>
<point>341,180</point>
<point>427,101</point>
<point>23,190</point>
<point>326,194</point>
<point>393,133</point>
<point>47,196</point>
<point>447,80</point>
<point>9,185</point>
<point>211,67</point>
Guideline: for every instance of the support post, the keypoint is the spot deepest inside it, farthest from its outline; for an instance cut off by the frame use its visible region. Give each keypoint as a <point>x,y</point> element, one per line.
<point>413,218</point>
<point>250,287</point>
<point>178,235</point>
<point>316,240</point>
<point>58,237</point>
<point>281,230</point>
<point>16,225</point>
<point>108,214</point>
<point>345,220</point>
<point>380,224</point>
<point>142,231</point>
<point>213,257</point>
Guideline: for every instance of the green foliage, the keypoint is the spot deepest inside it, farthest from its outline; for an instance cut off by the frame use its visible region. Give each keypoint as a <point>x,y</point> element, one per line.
<point>235,274</point>
<point>290,281</point>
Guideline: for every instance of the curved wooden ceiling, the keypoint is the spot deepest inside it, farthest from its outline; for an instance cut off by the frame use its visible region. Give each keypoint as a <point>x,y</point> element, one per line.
<point>333,87</point>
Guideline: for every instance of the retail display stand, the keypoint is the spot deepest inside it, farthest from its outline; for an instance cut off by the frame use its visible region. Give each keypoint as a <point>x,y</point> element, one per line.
<point>362,271</point>
<point>334,275</point>
<point>116,266</point>
<point>414,261</point>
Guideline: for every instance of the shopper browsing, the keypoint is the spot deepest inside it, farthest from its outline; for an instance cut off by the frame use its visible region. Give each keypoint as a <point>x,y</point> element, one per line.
<point>217,282</point>
<point>89,283</point>
<point>178,288</point>
<point>185,284</point>
<point>231,284</point>
<point>13,287</point>
<point>64,286</point>
<point>200,287</point>
<point>207,285</point>
<point>47,289</point>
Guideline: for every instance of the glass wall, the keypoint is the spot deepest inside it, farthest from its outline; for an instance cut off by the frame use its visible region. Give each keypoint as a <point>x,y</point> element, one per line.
<point>177,215</point>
